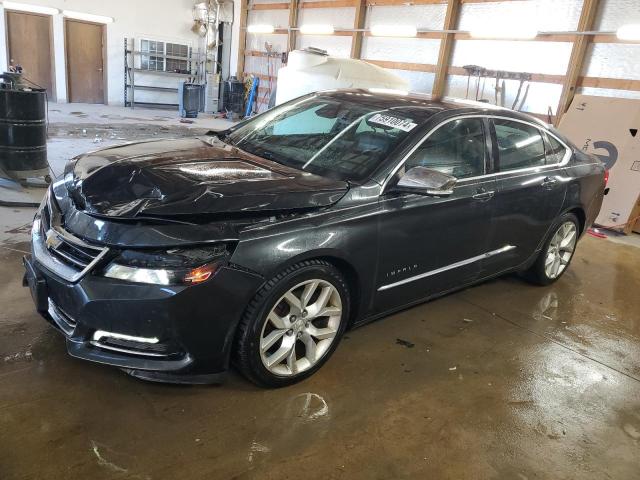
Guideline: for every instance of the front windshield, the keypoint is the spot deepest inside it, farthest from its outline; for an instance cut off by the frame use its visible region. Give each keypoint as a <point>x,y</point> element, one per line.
<point>328,135</point>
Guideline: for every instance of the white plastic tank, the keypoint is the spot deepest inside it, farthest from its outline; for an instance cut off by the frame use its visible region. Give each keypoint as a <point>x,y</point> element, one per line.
<point>312,70</point>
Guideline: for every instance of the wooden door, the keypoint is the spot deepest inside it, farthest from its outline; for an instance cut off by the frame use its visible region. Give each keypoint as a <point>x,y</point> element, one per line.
<point>29,45</point>
<point>85,61</point>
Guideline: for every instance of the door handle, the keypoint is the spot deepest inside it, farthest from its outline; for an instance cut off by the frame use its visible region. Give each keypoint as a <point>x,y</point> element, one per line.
<point>484,195</point>
<point>549,182</point>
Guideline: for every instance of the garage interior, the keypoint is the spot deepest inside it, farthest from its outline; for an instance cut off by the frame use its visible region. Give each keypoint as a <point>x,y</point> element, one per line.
<point>502,380</point>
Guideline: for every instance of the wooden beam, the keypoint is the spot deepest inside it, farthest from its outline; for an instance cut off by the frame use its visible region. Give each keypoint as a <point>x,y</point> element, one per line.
<point>329,4</point>
<point>446,45</point>
<point>293,23</point>
<point>578,53</point>
<point>270,6</point>
<point>404,3</point>
<point>242,38</point>
<point>358,23</point>
<point>594,82</point>
<point>610,83</point>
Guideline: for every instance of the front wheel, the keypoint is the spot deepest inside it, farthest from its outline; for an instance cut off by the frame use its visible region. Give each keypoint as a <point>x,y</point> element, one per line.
<point>557,252</point>
<point>293,324</point>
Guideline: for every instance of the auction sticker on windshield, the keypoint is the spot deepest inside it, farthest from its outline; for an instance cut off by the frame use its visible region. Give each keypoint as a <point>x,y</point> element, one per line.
<point>404,124</point>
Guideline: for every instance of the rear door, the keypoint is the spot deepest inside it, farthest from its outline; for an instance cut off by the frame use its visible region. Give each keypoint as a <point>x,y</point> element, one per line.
<point>530,190</point>
<point>431,244</point>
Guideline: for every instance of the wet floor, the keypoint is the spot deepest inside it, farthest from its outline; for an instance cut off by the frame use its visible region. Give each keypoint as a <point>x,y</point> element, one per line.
<point>504,380</point>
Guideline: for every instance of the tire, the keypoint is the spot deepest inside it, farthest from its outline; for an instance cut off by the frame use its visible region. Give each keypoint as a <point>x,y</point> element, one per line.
<point>545,272</point>
<point>300,313</point>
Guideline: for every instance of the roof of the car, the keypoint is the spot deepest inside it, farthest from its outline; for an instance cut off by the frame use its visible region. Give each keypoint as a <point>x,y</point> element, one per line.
<point>454,106</point>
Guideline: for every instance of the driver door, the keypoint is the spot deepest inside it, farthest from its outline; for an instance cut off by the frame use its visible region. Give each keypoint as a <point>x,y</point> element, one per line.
<point>432,244</point>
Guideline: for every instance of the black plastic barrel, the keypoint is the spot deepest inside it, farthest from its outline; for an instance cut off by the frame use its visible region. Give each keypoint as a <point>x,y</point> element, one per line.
<point>23,134</point>
<point>189,98</point>
<point>233,96</point>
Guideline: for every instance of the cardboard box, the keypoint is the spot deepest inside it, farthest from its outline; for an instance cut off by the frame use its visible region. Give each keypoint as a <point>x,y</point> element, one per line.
<point>610,129</point>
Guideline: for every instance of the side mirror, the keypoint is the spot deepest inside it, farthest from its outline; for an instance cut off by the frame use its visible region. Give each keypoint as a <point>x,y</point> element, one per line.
<point>424,181</point>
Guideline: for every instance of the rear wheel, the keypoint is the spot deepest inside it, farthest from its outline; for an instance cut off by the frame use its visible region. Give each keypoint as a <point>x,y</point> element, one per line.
<point>293,324</point>
<point>557,252</point>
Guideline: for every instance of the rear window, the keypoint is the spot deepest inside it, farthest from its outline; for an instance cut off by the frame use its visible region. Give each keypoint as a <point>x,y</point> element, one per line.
<point>519,145</point>
<point>555,151</point>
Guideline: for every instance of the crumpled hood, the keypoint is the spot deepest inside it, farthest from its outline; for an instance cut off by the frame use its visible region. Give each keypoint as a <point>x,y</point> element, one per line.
<point>190,176</point>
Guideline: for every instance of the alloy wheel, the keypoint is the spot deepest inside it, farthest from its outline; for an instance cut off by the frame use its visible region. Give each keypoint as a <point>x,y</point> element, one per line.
<point>560,249</point>
<point>300,327</point>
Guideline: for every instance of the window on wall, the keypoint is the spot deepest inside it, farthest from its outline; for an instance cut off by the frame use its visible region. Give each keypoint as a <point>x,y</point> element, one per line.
<point>519,145</point>
<point>153,56</point>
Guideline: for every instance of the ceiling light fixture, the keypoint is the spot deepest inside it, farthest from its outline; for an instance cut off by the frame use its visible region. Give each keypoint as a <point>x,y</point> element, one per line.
<point>629,32</point>
<point>24,7</point>
<point>88,17</point>
<point>317,29</point>
<point>393,31</point>
<point>260,29</point>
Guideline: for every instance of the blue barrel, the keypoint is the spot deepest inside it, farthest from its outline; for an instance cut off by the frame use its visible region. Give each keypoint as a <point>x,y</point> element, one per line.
<point>23,134</point>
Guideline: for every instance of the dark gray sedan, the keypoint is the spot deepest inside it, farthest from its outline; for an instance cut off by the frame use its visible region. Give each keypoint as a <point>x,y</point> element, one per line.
<point>262,244</point>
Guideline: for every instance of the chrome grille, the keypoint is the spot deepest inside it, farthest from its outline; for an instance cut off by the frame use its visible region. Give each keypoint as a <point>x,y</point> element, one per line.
<point>60,251</point>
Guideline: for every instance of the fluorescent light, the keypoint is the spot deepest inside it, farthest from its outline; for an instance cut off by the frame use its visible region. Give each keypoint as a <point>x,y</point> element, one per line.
<point>260,29</point>
<point>316,29</point>
<point>629,32</point>
<point>519,32</point>
<point>89,17</point>
<point>24,7</point>
<point>393,31</point>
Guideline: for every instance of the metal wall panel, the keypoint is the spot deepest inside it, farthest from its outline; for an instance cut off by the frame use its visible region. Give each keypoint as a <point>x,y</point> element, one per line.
<point>256,41</point>
<point>335,46</point>
<point>540,97</point>
<point>613,14</point>
<point>421,16</point>
<point>520,56</point>
<point>277,18</point>
<point>547,15</point>
<point>613,60</point>
<point>418,81</point>
<point>414,50</point>
<point>338,17</point>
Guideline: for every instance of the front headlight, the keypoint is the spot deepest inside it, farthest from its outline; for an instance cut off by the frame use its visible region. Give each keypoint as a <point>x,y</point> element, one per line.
<point>184,266</point>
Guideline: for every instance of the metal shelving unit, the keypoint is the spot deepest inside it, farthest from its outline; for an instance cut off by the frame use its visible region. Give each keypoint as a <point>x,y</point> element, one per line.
<point>130,71</point>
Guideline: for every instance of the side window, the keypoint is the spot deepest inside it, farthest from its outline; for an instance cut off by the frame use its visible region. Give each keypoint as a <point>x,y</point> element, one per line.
<point>555,151</point>
<point>519,145</point>
<point>457,148</point>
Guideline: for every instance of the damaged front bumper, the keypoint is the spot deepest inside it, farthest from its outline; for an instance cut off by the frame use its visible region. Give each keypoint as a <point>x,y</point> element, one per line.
<point>171,333</point>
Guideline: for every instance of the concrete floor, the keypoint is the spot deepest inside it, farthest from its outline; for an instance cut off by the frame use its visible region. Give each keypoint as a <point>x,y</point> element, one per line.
<point>504,380</point>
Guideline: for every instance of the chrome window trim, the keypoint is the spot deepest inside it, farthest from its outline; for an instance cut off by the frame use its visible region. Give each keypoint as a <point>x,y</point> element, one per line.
<point>539,126</point>
<point>461,263</point>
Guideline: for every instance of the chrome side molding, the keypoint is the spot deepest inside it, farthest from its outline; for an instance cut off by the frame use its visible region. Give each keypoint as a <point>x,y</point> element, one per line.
<point>461,263</point>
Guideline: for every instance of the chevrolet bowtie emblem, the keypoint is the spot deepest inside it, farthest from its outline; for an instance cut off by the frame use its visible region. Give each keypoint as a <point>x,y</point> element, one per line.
<point>53,240</point>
